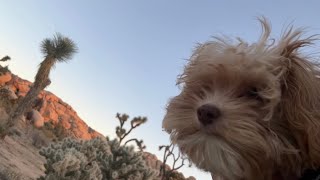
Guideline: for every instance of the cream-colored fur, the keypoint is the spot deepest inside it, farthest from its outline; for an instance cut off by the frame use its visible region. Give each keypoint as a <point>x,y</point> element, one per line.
<point>276,131</point>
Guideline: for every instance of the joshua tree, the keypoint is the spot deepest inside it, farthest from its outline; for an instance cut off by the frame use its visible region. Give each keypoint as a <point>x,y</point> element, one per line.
<point>122,133</point>
<point>58,49</point>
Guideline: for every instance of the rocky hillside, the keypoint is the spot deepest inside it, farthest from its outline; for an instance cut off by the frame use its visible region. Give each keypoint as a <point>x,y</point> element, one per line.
<point>53,110</point>
<point>53,118</point>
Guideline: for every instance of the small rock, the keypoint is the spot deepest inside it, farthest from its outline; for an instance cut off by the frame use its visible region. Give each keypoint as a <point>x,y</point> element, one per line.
<point>36,118</point>
<point>5,78</point>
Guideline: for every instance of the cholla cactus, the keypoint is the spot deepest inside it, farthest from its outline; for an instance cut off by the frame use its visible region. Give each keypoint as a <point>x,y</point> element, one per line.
<point>73,160</point>
<point>125,164</point>
<point>94,159</point>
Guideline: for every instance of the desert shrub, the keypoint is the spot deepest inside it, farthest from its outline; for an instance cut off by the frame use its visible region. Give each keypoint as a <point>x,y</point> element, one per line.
<point>14,132</point>
<point>48,133</point>
<point>10,175</point>
<point>5,101</point>
<point>94,159</point>
<point>90,130</point>
<point>176,176</point>
<point>60,131</point>
<point>38,140</point>
<point>48,125</point>
<point>4,70</point>
<point>48,130</point>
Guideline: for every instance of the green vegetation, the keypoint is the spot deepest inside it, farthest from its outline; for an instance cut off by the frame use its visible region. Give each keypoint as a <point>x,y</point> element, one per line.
<point>95,159</point>
<point>101,158</point>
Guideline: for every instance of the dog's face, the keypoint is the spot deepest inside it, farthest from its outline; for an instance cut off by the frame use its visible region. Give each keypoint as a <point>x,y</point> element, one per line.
<point>229,117</point>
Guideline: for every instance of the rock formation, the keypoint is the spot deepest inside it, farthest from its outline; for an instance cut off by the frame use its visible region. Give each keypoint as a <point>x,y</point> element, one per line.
<point>4,78</point>
<point>53,110</point>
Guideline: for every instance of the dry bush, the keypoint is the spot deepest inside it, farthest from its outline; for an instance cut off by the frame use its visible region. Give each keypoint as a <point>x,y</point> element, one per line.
<point>10,175</point>
<point>48,130</point>
<point>38,140</point>
<point>14,132</point>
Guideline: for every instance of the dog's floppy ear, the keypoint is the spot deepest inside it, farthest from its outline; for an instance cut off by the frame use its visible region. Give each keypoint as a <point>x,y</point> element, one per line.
<point>300,98</point>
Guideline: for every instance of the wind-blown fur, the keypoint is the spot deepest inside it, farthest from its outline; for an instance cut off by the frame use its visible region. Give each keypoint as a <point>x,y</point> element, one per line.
<point>269,95</point>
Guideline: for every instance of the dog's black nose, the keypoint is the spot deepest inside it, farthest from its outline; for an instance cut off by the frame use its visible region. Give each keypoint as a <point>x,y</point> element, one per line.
<point>208,113</point>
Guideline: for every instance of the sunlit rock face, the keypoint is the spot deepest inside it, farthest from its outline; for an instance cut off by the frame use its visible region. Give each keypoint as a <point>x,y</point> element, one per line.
<point>54,110</point>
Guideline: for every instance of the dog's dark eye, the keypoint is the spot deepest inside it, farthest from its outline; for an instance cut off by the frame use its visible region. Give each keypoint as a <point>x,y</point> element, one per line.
<point>252,93</point>
<point>201,93</point>
<point>206,88</point>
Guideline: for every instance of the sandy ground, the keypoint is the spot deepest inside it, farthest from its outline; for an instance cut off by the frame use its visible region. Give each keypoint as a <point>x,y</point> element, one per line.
<point>21,158</point>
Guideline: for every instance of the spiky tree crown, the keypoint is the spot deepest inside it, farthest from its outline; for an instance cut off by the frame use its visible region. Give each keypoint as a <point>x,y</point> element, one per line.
<point>60,47</point>
<point>6,58</point>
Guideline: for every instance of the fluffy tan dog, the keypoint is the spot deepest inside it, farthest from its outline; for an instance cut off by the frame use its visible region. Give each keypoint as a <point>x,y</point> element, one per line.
<point>249,111</point>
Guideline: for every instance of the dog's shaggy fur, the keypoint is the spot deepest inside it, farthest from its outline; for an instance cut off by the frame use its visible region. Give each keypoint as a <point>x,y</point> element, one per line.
<point>268,93</point>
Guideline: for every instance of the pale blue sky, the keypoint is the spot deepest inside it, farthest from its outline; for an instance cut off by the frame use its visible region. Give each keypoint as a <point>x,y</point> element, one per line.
<point>130,52</point>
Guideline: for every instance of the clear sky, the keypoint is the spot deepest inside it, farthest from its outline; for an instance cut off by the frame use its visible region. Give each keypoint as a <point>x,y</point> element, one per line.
<point>130,52</point>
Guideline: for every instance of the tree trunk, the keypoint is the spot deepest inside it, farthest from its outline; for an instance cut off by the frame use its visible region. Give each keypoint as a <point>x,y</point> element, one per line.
<point>26,102</point>
<point>43,73</point>
<point>41,82</point>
